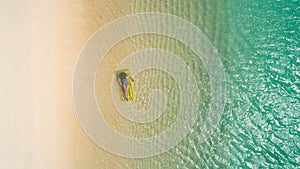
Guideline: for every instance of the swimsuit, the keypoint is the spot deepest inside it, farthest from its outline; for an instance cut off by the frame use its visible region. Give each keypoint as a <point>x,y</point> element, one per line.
<point>123,78</point>
<point>124,81</point>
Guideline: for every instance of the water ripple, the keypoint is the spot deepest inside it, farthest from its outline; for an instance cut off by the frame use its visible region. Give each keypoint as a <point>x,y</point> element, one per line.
<point>259,45</point>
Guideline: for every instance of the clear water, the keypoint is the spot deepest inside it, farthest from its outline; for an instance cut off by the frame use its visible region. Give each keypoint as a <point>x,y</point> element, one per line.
<point>258,43</point>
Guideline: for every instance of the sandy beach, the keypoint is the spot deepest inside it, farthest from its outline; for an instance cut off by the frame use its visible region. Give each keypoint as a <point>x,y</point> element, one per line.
<point>229,98</point>
<point>39,48</point>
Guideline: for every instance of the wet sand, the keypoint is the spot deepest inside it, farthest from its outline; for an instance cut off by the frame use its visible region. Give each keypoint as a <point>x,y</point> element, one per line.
<point>39,47</point>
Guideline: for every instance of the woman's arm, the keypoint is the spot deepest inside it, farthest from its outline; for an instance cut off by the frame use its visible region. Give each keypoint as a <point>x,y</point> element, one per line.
<point>131,78</point>
<point>119,81</point>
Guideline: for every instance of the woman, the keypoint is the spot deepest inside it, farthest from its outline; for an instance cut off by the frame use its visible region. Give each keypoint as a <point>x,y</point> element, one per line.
<point>124,83</point>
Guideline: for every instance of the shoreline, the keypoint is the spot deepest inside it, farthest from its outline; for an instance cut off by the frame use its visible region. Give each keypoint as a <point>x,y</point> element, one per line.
<point>41,46</point>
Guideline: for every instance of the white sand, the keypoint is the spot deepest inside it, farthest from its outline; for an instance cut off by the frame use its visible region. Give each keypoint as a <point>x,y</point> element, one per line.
<point>40,42</point>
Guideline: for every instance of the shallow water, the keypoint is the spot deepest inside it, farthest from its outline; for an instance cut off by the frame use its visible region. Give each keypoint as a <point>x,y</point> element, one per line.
<point>258,44</point>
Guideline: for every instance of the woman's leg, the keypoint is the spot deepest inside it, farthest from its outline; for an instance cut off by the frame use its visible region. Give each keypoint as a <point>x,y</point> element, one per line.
<point>126,87</point>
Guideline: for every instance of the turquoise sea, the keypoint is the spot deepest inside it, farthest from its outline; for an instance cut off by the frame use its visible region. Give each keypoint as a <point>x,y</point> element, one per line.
<point>258,44</point>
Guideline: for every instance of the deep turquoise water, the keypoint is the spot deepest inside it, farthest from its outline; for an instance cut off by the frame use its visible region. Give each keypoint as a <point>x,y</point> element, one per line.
<point>258,43</point>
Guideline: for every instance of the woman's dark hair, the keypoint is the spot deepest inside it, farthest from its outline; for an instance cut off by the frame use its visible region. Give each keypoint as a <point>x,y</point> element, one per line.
<point>122,75</point>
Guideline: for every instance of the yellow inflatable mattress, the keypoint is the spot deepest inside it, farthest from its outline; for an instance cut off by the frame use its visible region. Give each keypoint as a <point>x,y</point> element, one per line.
<point>121,90</point>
